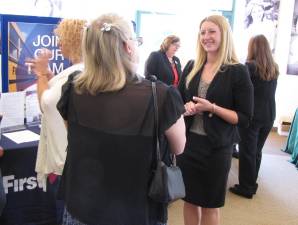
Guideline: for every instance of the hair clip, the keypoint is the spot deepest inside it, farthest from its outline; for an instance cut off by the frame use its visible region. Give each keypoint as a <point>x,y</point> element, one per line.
<point>106,27</point>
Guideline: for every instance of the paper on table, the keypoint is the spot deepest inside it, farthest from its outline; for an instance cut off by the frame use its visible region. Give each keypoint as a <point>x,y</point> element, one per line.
<point>32,111</point>
<point>12,107</point>
<point>22,136</point>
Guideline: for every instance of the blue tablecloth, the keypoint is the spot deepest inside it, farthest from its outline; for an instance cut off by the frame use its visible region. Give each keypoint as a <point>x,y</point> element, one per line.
<point>292,143</point>
<point>27,203</point>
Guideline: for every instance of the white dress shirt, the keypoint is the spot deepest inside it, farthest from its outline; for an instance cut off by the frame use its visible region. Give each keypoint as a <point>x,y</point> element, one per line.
<point>53,135</point>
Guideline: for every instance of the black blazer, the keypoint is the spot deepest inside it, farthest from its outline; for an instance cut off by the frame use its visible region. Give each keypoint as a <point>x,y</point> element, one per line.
<point>159,65</point>
<point>264,96</point>
<point>231,88</point>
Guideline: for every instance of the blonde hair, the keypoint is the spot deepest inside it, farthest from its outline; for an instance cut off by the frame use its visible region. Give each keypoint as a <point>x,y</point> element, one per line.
<point>171,39</point>
<point>226,52</point>
<point>70,33</point>
<point>107,64</point>
<point>259,51</point>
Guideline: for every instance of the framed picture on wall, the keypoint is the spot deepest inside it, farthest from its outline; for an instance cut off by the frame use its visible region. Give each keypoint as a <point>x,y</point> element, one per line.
<point>261,17</point>
<point>292,67</point>
<point>255,17</point>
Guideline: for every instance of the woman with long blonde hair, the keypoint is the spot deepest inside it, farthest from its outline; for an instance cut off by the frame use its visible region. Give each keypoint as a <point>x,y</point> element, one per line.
<point>218,97</point>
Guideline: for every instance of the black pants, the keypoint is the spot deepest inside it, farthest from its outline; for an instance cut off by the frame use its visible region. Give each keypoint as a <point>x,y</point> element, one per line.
<point>250,153</point>
<point>53,187</point>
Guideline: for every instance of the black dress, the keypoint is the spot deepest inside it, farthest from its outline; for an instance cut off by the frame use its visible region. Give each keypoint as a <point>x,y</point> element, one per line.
<point>110,152</point>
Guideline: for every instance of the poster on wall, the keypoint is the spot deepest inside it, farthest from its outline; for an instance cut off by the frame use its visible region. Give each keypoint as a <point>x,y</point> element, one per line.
<point>25,36</point>
<point>25,40</point>
<point>292,67</point>
<point>255,17</point>
<point>261,17</point>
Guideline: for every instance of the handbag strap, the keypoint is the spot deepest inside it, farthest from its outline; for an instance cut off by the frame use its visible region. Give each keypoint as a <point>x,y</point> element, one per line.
<point>156,133</point>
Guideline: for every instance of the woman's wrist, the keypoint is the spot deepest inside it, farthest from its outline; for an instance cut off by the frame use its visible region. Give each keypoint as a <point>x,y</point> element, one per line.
<point>212,109</point>
<point>47,75</point>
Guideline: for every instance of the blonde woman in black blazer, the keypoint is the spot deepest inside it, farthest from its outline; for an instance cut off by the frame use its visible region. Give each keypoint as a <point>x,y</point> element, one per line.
<point>163,63</point>
<point>264,73</point>
<point>218,97</point>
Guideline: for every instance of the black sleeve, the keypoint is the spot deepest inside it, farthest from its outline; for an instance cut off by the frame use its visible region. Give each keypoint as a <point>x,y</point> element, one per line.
<point>172,109</point>
<point>62,105</point>
<point>182,83</point>
<point>243,96</point>
<point>151,65</point>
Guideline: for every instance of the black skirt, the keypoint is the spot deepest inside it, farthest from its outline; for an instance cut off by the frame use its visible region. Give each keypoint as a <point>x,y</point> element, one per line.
<point>205,171</point>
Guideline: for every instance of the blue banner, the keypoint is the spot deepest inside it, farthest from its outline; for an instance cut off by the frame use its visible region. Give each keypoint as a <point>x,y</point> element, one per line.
<point>25,36</point>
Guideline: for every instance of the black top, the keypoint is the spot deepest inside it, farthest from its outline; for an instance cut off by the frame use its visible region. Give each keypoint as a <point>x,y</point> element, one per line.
<point>264,96</point>
<point>110,148</point>
<point>230,88</point>
<point>159,65</point>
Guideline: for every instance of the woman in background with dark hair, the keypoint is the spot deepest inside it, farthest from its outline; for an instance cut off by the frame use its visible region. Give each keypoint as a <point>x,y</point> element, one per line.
<point>163,63</point>
<point>264,73</point>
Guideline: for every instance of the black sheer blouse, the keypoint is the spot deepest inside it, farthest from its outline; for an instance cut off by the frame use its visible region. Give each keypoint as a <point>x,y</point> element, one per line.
<point>110,152</point>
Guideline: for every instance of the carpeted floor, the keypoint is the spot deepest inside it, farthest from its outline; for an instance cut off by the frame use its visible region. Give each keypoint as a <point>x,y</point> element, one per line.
<point>276,202</point>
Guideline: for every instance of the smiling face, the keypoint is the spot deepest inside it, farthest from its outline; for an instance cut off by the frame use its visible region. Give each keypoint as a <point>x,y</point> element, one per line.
<point>210,37</point>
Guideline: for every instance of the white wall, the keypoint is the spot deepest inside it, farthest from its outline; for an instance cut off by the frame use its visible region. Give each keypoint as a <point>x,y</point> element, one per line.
<point>287,89</point>
<point>186,25</point>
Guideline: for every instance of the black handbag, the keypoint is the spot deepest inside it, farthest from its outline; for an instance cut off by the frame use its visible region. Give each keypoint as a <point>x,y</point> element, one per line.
<point>167,183</point>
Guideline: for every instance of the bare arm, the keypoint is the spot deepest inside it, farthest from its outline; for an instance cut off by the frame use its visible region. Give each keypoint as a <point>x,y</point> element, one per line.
<point>176,136</point>
<point>42,72</point>
<point>42,85</point>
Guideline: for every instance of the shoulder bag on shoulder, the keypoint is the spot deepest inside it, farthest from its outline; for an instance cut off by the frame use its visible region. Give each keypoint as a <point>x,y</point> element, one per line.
<point>167,183</point>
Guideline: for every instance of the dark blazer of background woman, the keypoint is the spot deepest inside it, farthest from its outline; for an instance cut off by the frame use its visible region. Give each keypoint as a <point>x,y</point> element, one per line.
<point>158,64</point>
<point>264,96</point>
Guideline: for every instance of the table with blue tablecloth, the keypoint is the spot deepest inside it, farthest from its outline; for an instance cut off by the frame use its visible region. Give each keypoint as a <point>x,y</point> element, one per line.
<point>292,142</point>
<point>27,202</point>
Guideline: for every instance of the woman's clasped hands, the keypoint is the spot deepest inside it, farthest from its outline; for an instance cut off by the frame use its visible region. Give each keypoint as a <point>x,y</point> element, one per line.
<point>197,106</point>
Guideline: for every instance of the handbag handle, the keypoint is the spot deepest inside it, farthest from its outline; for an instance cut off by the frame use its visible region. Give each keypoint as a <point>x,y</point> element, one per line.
<point>158,155</point>
<point>156,134</point>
